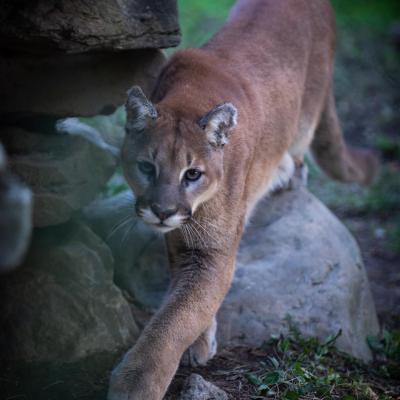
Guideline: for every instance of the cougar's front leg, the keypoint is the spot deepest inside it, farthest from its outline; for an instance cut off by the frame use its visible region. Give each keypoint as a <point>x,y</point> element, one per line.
<point>200,284</point>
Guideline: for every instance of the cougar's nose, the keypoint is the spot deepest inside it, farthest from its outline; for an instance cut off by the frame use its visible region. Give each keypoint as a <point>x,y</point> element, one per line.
<point>163,214</point>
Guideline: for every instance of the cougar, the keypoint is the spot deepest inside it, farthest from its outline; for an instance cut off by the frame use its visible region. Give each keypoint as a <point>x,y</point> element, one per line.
<point>226,124</point>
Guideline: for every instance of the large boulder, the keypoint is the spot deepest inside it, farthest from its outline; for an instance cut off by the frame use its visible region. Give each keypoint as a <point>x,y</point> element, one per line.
<point>295,259</point>
<point>61,304</point>
<point>85,25</point>
<point>65,171</point>
<point>70,85</point>
<point>15,217</point>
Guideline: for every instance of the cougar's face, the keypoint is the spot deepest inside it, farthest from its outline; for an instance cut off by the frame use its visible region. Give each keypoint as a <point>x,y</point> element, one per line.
<point>172,170</point>
<point>170,164</point>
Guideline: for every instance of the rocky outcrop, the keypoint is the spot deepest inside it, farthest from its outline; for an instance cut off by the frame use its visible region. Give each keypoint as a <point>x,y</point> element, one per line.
<point>73,85</point>
<point>74,26</point>
<point>295,259</point>
<point>61,305</point>
<point>62,60</point>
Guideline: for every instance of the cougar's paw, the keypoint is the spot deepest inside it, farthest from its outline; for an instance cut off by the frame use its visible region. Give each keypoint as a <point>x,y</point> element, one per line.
<point>118,387</point>
<point>203,349</point>
<point>129,382</point>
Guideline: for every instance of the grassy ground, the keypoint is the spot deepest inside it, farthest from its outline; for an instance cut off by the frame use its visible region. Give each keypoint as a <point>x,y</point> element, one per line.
<point>294,367</point>
<point>288,367</point>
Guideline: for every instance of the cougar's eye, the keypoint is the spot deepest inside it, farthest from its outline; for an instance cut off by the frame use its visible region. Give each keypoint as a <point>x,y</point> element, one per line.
<point>146,168</point>
<point>192,174</point>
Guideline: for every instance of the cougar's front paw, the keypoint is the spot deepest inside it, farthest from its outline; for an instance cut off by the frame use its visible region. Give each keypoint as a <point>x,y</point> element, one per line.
<point>203,349</point>
<point>129,381</point>
<point>119,387</point>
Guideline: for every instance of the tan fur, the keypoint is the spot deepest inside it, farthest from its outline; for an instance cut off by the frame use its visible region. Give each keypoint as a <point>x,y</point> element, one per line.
<point>272,62</point>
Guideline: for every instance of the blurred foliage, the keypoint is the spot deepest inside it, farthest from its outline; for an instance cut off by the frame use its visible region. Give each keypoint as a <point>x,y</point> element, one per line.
<point>200,19</point>
<point>376,14</point>
<point>389,147</point>
<point>384,195</point>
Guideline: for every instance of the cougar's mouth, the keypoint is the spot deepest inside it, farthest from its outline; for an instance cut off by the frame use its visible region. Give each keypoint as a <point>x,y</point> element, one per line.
<point>163,226</point>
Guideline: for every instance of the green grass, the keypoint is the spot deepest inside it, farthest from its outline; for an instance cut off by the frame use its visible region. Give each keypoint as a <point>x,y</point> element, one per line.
<point>308,368</point>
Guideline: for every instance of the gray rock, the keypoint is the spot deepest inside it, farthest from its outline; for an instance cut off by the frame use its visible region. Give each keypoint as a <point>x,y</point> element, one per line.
<point>65,172</point>
<point>15,218</point>
<point>85,25</point>
<point>62,305</point>
<point>3,159</point>
<point>196,388</point>
<point>73,85</point>
<point>295,258</point>
<point>139,253</point>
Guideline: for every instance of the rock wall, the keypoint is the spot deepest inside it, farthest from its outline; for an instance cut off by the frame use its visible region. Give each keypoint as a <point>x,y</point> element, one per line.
<point>59,60</point>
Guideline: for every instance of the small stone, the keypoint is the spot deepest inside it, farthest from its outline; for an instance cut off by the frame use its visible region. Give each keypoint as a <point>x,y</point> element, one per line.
<point>197,388</point>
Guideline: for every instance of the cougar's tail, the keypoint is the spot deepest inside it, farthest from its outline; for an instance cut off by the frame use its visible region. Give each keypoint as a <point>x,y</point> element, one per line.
<point>335,157</point>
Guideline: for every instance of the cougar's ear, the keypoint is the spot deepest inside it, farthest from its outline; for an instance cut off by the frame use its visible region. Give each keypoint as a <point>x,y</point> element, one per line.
<point>140,112</point>
<point>218,122</point>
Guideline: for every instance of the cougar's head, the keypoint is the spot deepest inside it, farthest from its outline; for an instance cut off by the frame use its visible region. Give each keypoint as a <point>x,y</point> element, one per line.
<point>172,164</point>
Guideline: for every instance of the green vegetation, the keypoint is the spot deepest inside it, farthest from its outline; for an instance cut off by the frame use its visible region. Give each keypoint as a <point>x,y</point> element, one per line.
<point>200,19</point>
<point>308,368</point>
<point>375,14</point>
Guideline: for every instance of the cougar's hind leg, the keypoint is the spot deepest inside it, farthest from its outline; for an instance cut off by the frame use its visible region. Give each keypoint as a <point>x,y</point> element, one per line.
<point>334,156</point>
<point>203,349</point>
<point>282,176</point>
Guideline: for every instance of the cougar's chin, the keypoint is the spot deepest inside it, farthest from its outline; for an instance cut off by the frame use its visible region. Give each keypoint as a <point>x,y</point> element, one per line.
<point>162,228</point>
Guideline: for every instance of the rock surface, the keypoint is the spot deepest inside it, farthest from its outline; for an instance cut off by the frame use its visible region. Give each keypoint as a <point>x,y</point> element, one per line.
<point>15,218</point>
<point>74,85</point>
<point>85,25</point>
<point>141,264</point>
<point>65,172</point>
<point>197,388</point>
<point>62,304</point>
<point>295,259</point>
